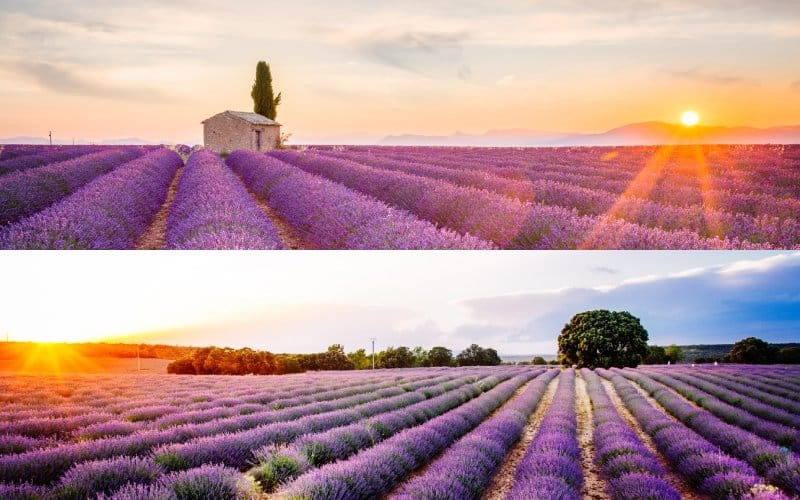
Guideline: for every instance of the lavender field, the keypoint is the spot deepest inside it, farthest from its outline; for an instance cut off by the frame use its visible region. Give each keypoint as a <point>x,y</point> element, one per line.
<point>366,197</point>
<point>475,432</point>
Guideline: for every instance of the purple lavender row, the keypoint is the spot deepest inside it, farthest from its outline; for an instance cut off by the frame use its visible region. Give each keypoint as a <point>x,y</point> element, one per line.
<point>504,221</point>
<point>757,402</point>
<point>95,425</point>
<point>238,448</point>
<point>466,468</point>
<point>377,470</point>
<point>108,213</point>
<point>778,173</point>
<point>633,471</point>
<point>45,157</point>
<point>741,411</point>
<point>294,398</point>
<point>317,449</point>
<point>551,468</point>
<point>778,465</point>
<point>213,211</point>
<point>43,427</point>
<point>754,390</point>
<point>574,169</point>
<point>126,478</point>
<point>704,220</point>
<point>26,192</point>
<point>9,151</point>
<point>46,465</point>
<point>246,416</point>
<point>43,466</point>
<point>766,385</point>
<point>332,216</point>
<point>703,465</point>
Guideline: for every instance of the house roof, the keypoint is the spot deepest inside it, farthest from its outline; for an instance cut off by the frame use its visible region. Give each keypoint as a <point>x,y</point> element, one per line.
<point>253,118</point>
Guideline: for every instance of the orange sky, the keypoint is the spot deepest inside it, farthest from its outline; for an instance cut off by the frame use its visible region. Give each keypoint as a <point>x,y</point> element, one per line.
<point>155,69</point>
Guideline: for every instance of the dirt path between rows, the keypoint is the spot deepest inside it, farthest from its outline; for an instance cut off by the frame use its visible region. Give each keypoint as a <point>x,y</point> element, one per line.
<point>290,238</point>
<point>154,238</point>
<point>671,477</point>
<point>504,477</point>
<point>594,486</point>
<point>424,469</point>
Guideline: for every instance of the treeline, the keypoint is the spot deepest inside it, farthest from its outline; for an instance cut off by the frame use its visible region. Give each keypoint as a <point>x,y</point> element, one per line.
<point>751,350</point>
<point>19,350</point>
<point>755,351</point>
<point>227,361</point>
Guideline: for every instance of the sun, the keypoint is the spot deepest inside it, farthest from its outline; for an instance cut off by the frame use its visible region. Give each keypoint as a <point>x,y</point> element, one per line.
<point>690,118</point>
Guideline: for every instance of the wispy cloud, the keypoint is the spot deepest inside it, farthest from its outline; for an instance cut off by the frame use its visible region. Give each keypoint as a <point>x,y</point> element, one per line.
<point>795,85</point>
<point>605,270</point>
<point>719,304</point>
<point>68,81</point>
<point>417,51</point>
<point>695,74</point>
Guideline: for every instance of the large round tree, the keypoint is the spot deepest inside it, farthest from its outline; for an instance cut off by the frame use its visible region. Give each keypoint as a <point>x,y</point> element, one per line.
<point>752,350</point>
<point>604,339</point>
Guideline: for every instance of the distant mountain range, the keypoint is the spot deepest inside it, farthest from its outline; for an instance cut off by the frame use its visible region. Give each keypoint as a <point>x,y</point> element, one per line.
<point>636,134</point>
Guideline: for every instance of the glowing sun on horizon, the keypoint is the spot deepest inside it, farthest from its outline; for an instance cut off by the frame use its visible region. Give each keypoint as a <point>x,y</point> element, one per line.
<point>690,118</point>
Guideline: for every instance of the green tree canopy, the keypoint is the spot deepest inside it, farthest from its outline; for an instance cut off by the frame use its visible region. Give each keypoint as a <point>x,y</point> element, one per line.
<point>440,356</point>
<point>399,357</point>
<point>265,102</point>
<point>602,338</point>
<point>753,351</point>
<point>476,355</point>
<point>538,360</point>
<point>789,355</point>
<point>656,355</point>
<point>360,359</point>
<point>420,356</point>
<point>674,353</point>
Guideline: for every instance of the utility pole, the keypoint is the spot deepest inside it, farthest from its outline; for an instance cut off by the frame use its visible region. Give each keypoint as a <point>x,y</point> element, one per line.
<point>50,135</point>
<point>373,352</point>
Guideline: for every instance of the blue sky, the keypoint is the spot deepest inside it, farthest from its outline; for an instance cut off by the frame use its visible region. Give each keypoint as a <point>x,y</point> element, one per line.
<point>516,302</point>
<point>363,69</point>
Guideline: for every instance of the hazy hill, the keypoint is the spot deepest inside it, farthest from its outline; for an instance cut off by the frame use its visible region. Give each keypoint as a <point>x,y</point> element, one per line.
<point>636,134</point>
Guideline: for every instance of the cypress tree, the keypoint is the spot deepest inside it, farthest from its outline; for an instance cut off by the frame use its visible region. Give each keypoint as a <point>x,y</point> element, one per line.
<point>265,102</point>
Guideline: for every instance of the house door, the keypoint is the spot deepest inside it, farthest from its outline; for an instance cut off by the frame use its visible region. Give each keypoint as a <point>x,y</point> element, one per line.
<point>258,140</point>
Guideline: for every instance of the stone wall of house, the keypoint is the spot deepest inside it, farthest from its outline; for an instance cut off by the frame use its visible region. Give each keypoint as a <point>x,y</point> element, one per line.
<point>269,137</point>
<point>227,133</point>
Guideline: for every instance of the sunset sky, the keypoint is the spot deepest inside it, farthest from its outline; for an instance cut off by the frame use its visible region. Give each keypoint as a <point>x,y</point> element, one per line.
<point>516,302</point>
<point>358,70</point>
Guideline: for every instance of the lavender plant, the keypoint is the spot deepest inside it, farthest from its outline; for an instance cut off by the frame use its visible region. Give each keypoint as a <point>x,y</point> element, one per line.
<point>213,210</point>
<point>332,216</point>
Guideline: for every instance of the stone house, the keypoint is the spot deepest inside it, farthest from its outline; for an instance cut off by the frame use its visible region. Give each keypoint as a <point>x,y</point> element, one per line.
<point>232,130</point>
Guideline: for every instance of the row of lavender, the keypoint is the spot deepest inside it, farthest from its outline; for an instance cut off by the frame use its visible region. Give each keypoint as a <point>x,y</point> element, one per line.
<point>714,214</point>
<point>664,168</point>
<point>108,199</point>
<point>503,220</point>
<point>361,435</point>
<point>61,467</point>
<point>445,208</point>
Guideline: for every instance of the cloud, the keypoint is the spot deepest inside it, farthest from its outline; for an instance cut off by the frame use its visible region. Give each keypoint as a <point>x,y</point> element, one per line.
<point>695,74</point>
<point>795,85</point>
<point>417,51</point>
<point>605,270</point>
<point>715,305</point>
<point>66,81</point>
